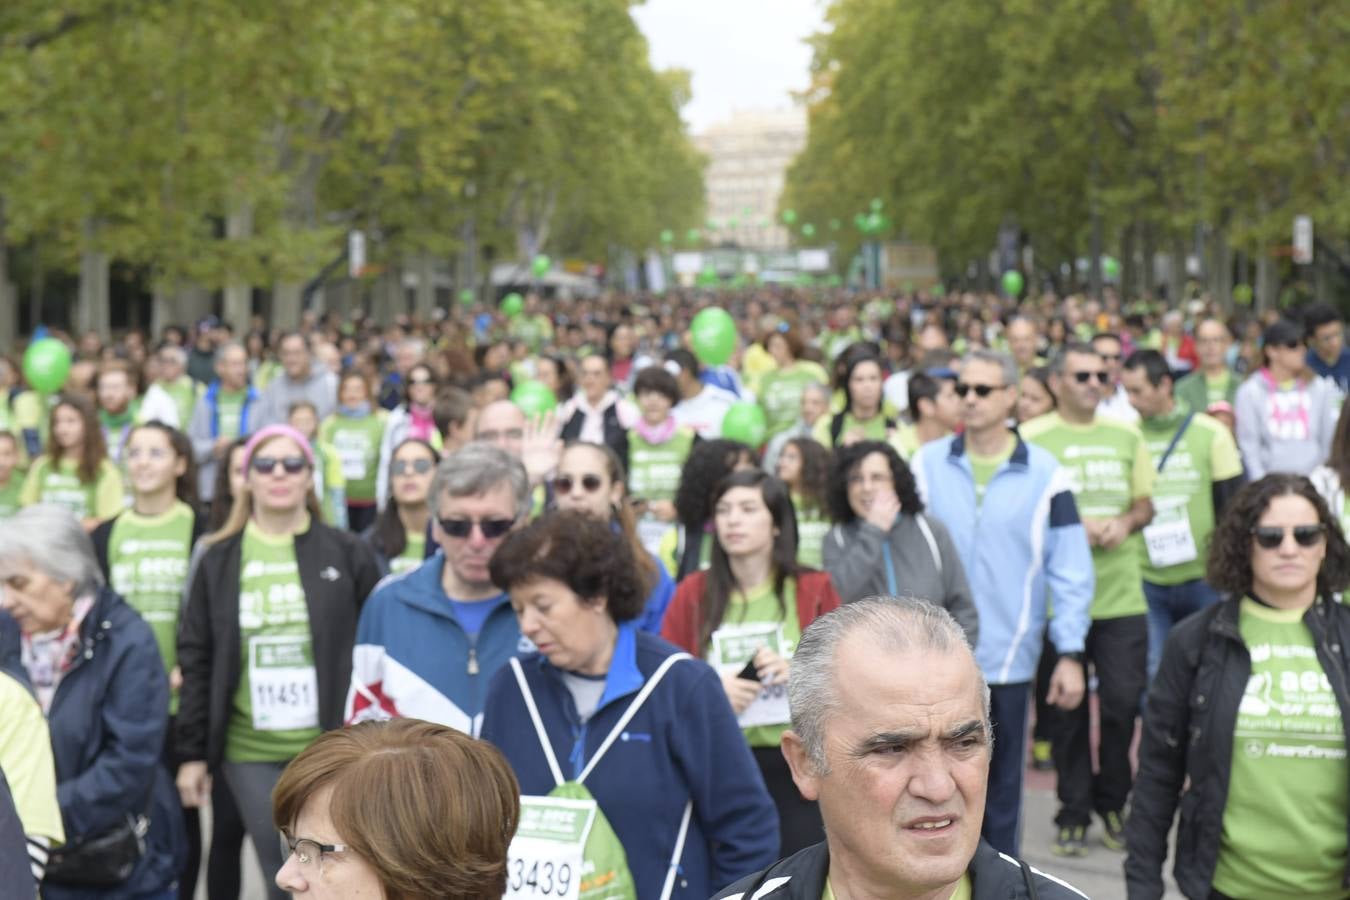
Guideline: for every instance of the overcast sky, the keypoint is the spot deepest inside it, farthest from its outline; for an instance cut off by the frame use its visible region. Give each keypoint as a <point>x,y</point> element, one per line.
<point>744,54</point>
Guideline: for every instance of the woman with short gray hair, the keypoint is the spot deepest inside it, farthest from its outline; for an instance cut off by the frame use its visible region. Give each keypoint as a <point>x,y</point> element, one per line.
<point>96,670</point>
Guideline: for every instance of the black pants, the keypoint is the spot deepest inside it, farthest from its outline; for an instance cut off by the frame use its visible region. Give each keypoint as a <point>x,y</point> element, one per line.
<point>227,838</point>
<point>1040,688</point>
<point>359,518</point>
<point>1117,650</point>
<point>799,820</point>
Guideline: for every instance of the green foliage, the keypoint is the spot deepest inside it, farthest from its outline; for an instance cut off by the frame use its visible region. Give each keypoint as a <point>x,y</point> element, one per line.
<point>141,124</point>
<point>1156,115</point>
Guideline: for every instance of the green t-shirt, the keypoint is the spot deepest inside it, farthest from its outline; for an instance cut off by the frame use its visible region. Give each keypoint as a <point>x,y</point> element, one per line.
<point>148,565</point>
<point>9,495</point>
<point>183,393</point>
<point>356,444</point>
<point>1284,822</point>
<point>1183,500</point>
<point>275,710</point>
<point>1108,467</point>
<point>229,412</point>
<point>329,484</point>
<point>752,622</point>
<point>873,429</point>
<point>812,526</point>
<point>532,330</point>
<point>780,393</point>
<point>413,555</point>
<point>1216,389</point>
<point>984,467</point>
<point>905,440</point>
<point>99,499</point>
<point>654,469</point>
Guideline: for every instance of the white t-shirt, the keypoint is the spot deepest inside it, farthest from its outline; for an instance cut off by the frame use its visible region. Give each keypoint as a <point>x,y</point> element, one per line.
<point>704,411</point>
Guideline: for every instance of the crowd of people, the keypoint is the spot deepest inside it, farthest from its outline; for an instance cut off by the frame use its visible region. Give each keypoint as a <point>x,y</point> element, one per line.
<point>336,584</point>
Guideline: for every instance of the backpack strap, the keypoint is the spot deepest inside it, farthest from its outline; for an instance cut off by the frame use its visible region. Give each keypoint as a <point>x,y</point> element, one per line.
<point>679,851</point>
<point>538,722</point>
<point>628,714</point>
<point>931,539</point>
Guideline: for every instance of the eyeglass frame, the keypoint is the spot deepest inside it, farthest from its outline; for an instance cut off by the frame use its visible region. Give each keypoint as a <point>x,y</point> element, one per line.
<point>291,847</point>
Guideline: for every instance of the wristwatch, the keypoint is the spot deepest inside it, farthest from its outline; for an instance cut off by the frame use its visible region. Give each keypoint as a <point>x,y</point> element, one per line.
<point>1075,655</point>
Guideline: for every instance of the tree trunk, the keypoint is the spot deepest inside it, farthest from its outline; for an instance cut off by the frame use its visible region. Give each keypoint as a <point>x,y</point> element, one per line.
<point>286,303</point>
<point>1176,272</point>
<point>426,284</point>
<point>9,298</point>
<point>1221,269</point>
<point>1129,273</point>
<point>93,312</point>
<point>238,307</point>
<point>1267,282</point>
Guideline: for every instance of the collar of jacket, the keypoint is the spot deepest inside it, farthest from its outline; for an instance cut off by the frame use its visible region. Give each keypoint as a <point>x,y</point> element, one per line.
<point>1019,456</point>
<point>97,624</point>
<point>425,591</point>
<point>623,678</point>
<point>1225,621</point>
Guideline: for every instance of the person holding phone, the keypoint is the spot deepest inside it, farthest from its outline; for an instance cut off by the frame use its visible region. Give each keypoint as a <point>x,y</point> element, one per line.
<point>745,615</point>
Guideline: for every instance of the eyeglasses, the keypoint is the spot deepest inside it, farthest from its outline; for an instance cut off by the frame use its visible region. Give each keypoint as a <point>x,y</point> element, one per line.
<point>307,852</point>
<point>462,528</point>
<point>1270,537</point>
<point>404,467</point>
<point>510,434</point>
<point>1085,377</point>
<point>266,465</point>
<point>981,390</point>
<point>563,484</point>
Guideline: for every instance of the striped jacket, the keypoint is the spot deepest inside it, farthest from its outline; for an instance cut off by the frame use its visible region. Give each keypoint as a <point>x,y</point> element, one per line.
<point>1023,548</point>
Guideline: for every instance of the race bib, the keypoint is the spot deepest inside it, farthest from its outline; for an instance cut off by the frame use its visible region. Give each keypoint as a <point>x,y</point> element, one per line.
<point>1169,539</point>
<point>352,456</point>
<point>650,531</point>
<point>547,853</point>
<point>735,645</point>
<point>282,682</point>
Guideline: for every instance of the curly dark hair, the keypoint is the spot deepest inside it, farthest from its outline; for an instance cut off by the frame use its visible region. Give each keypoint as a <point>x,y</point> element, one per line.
<point>578,550</point>
<point>846,461</point>
<point>815,477</point>
<point>1230,549</point>
<point>708,463</point>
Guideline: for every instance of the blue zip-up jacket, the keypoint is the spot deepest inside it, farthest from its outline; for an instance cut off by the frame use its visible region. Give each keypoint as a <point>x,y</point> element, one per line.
<point>683,744</point>
<point>413,657</point>
<point>107,722</point>
<point>1023,539</point>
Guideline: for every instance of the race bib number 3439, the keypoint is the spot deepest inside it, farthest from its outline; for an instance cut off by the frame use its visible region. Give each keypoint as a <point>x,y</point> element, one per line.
<point>546,855</point>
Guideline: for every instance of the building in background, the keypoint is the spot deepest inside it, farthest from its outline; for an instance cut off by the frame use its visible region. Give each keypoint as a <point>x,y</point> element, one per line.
<point>748,158</point>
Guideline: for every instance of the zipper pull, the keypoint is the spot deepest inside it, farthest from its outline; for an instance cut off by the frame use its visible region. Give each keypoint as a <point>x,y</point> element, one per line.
<point>473,660</point>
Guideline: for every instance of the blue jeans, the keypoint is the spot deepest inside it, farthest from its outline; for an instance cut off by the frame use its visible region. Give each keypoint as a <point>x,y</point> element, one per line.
<point>1167,605</point>
<point>1008,706</point>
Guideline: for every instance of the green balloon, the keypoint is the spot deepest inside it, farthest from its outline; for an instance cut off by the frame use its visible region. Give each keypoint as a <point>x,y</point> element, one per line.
<point>860,220</point>
<point>744,422</point>
<point>667,235</point>
<point>789,216</point>
<point>512,304</point>
<point>875,222</point>
<point>46,363</point>
<point>808,230</point>
<point>1111,267</point>
<point>876,204</point>
<point>938,290</point>
<point>533,398</point>
<point>713,336</point>
<point>692,235</point>
<point>1013,283</point>
<point>466,297</point>
<point>541,265</point>
<point>1242,294</point>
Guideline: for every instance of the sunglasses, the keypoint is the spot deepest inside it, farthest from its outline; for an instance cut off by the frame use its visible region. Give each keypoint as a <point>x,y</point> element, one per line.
<point>266,465</point>
<point>1085,377</point>
<point>1270,537</point>
<point>462,528</point>
<point>981,390</point>
<point>403,466</point>
<point>563,484</point>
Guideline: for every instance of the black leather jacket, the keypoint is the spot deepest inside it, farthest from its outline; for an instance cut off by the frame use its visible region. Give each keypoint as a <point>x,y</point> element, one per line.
<point>1188,734</point>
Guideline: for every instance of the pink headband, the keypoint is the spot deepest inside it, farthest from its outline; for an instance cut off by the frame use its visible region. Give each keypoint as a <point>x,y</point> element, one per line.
<point>271,431</point>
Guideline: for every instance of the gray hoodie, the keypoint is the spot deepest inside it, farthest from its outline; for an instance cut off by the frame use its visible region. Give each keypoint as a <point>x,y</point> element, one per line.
<point>1271,434</point>
<point>924,564</point>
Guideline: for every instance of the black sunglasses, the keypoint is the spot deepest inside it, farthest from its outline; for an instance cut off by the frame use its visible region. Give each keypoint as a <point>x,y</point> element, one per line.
<point>1269,537</point>
<point>563,484</point>
<point>981,390</point>
<point>266,465</point>
<point>403,466</point>
<point>462,528</point>
<point>1085,377</point>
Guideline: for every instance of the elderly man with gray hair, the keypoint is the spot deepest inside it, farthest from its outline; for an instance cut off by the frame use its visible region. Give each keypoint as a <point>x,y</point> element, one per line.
<point>429,639</point>
<point>891,735</point>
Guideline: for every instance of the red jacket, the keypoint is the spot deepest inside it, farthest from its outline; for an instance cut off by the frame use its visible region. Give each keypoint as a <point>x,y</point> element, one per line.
<point>683,624</point>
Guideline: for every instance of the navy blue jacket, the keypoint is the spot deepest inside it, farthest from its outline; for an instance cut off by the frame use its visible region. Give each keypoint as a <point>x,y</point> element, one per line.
<point>107,722</point>
<point>683,744</point>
